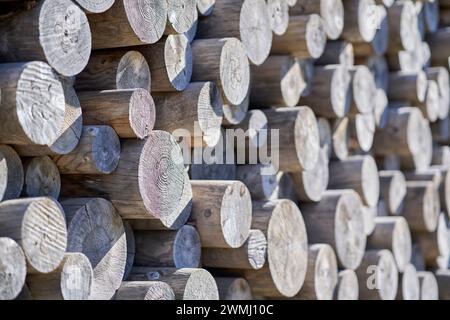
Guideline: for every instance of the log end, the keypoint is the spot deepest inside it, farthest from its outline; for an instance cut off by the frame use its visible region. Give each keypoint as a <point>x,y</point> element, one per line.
<point>13,271</point>
<point>142,113</point>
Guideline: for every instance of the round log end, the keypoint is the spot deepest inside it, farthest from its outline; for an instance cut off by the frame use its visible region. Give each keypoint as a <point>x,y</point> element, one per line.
<point>77,277</point>
<point>234,289</point>
<point>347,287</point>
<point>257,248</point>
<point>278,15</point>
<point>210,114</point>
<point>105,148</point>
<point>364,89</point>
<point>187,248</point>
<point>432,101</point>
<point>370,181</point>
<point>95,6</point>
<point>332,13</point>
<point>13,271</point>
<point>410,286</point>
<point>42,178</point>
<point>401,243</point>
<point>307,140</point>
<point>340,91</point>
<point>325,272</point>
<point>178,61</point>
<point>11,173</point>
<point>142,113</point>
<point>316,37</point>
<point>205,7</point>
<point>428,286</point>
<point>182,14</point>
<point>200,286</point>
<point>133,72</point>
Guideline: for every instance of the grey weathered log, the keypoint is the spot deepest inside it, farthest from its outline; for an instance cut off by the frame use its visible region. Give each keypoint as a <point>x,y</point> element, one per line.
<point>428,286</point>
<point>363,90</point>
<point>205,7</point>
<point>340,138</point>
<point>347,287</point>
<point>361,132</point>
<point>41,178</point>
<point>233,288</point>
<point>181,15</point>
<point>441,76</point>
<point>408,284</point>
<point>403,26</point>
<point>95,6</point>
<point>144,290</point>
<point>337,52</point>
<point>131,248</point>
<point>438,46</point>
<point>443,279</point>
<point>278,15</point>
<point>359,20</point>
<point>262,181</point>
<point>14,269</point>
<point>392,190</point>
<point>379,44</point>
<point>11,173</point>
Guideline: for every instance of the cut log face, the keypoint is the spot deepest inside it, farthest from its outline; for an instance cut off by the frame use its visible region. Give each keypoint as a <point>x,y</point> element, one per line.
<point>340,138</point>
<point>263,185</point>
<point>95,6</point>
<point>32,104</point>
<point>14,269</point>
<point>392,190</point>
<point>403,26</point>
<point>131,248</point>
<point>359,20</point>
<point>409,285</point>
<point>337,52</point>
<point>132,72</point>
<point>95,229</point>
<point>205,7</point>
<point>378,276</point>
<point>41,178</point>
<point>441,76</point>
<point>61,36</point>
<point>381,108</point>
<point>362,130</point>
<point>325,135</point>
<point>235,114</point>
<point>428,286</point>
<point>408,86</point>
<point>364,90</point>
<point>233,289</point>
<point>347,287</point>
<point>11,173</point>
<point>144,290</point>
<point>181,15</point>
<point>39,227</point>
<point>278,15</point>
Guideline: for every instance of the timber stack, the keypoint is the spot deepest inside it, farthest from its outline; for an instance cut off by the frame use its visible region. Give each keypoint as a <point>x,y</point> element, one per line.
<point>230,149</point>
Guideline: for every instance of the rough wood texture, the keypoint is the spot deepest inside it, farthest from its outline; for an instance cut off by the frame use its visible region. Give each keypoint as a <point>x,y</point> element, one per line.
<point>403,26</point>
<point>72,280</point>
<point>347,287</point>
<point>287,249</point>
<point>170,62</point>
<point>233,289</point>
<point>279,81</point>
<point>379,44</point>
<point>179,249</point>
<point>205,7</point>
<point>14,269</point>
<point>359,173</point>
<point>392,190</point>
<point>32,104</point>
<point>131,248</point>
<point>144,290</point>
<point>181,15</point>
<point>441,76</point>
<point>361,132</point>
<point>130,112</point>
<point>330,95</point>
<point>149,181</point>
<point>251,255</point>
<point>392,233</point>
<point>221,212</point>
<point>128,23</point>
<point>95,6</point>
<point>56,31</point>
<point>378,276</point>
<point>186,283</point>
<point>95,229</point>
<point>39,227</point>
<point>97,153</point>
<point>41,178</point>
<point>113,70</point>
<point>360,20</point>
<point>194,113</point>
<point>337,52</point>
<point>428,286</point>
<point>330,222</point>
<point>247,20</point>
<point>278,15</point>
<point>304,38</point>
<point>340,138</point>
<point>225,62</point>
<point>326,142</point>
<point>322,274</point>
<point>408,284</point>
<point>257,176</point>
<point>11,173</point>
<point>363,90</point>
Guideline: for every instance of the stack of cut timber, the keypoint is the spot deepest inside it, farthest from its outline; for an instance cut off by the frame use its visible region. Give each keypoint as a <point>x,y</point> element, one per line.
<point>230,149</point>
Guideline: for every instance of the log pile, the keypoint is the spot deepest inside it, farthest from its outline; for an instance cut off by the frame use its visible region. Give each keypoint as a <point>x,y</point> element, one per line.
<point>230,149</point>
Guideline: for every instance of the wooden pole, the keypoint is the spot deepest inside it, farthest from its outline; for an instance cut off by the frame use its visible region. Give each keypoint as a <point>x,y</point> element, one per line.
<point>251,255</point>
<point>128,23</point>
<point>181,15</point>
<point>144,290</point>
<point>262,184</point>
<point>14,269</point>
<point>392,190</point>
<point>340,138</point>
<point>131,248</point>
<point>363,90</point>
<point>347,287</point>
<point>408,284</point>
<point>130,112</point>
<point>11,173</point>
<point>19,220</point>
<point>337,52</point>
<point>321,275</point>
<point>361,132</point>
<point>233,288</point>
<point>95,6</point>
<point>438,47</point>
<point>378,276</point>
<point>428,286</point>
<point>221,212</point>
<point>359,20</point>
<point>115,69</point>
<point>57,32</point>
<point>403,26</point>
<point>149,181</point>
<point>41,178</point>
<point>441,76</point>
<point>330,221</point>
<point>179,249</point>
<point>95,229</point>
<point>32,104</point>
<point>225,62</point>
<point>72,280</point>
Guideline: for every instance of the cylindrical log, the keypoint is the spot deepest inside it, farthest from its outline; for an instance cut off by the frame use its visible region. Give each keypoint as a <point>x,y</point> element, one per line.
<point>441,156</point>
<point>360,20</point>
<point>347,287</point>
<point>428,286</point>
<point>186,283</point>
<point>225,62</point>
<point>392,190</point>
<point>247,20</point>
<point>128,23</point>
<point>196,112</point>
<point>441,131</point>
<point>363,90</point>
<point>95,229</point>
<point>381,108</point>
<point>170,62</point>
<point>304,38</point>
<point>377,276</point>
<point>298,142</point>
<point>11,173</point>
<point>408,284</point>
<point>221,212</point>
<point>32,103</point>
<point>432,13</point>
<point>403,26</point>
<point>379,44</point>
<point>131,248</point>
<point>148,182</point>
<point>41,178</point>
<point>235,114</point>
<point>233,289</point>
<point>441,76</point>
<point>279,81</point>
<point>392,233</point>
<point>97,153</point>
<point>39,227</point>
<point>114,70</point>
<point>257,176</point>
<point>72,280</point>
<point>95,6</point>
<point>379,68</point>
<point>321,275</point>
<point>130,112</point>
<point>362,131</point>
<point>337,220</point>
<point>251,255</point>
<point>438,42</point>
<point>369,215</point>
<point>181,15</point>
<point>278,15</point>
<point>144,290</point>
<point>179,249</point>
<point>56,31</point>
<point>406,86</point>
<point>359,173</point>
<point>287,249</point>
<point>331,92</point>
<point>14,269</point>
<point>337,52</point>
<point>340,138</point>
<point>325,135</point>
